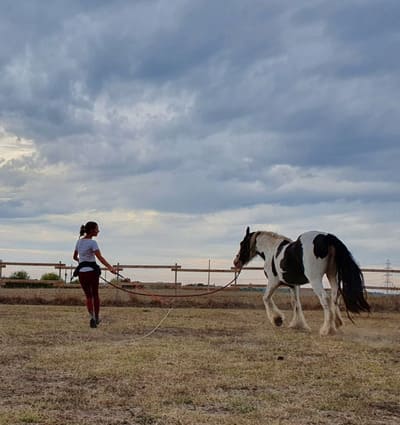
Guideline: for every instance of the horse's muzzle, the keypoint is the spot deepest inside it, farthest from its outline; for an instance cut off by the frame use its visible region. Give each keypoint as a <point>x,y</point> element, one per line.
<point>237,263</point>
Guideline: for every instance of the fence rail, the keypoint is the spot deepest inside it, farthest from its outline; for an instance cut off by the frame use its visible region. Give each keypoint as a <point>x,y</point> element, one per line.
<point>3,264</point>
<point>177,269</point>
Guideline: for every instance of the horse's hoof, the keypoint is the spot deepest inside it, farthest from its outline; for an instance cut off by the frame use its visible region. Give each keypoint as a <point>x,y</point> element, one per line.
<point>299,327</point>
<point>328,331</point>
<point>278,321</point>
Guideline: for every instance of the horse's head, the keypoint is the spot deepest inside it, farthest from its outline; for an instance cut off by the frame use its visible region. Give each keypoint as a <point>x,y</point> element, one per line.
<point>247,250</point>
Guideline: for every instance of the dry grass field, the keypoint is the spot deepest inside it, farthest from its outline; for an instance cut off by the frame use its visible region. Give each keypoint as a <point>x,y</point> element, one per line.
<point>228,298</point>
<point>201,366</point>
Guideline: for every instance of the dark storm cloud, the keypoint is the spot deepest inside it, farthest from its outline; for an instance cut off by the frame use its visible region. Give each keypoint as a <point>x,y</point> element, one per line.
<point>198,107</point>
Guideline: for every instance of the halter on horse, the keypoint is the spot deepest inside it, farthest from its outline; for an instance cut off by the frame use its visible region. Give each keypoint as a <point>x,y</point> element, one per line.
<point>306,260</point>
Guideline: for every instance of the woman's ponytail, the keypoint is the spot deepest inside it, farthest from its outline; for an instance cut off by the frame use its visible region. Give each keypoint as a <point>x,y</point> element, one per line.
<point>87,228</point>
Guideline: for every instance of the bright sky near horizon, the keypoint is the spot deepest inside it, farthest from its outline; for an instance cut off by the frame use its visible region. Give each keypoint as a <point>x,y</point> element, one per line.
<point>175,124</point>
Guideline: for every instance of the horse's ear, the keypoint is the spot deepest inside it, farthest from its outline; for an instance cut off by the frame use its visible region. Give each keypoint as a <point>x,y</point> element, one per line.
<point>248,231</point>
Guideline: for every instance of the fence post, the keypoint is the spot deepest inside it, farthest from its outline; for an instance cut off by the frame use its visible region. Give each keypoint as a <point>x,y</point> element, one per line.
<point>176,278</point>
<point>208,274</point>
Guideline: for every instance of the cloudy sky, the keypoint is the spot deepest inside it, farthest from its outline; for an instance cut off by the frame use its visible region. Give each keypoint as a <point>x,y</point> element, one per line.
<point>175,124</point>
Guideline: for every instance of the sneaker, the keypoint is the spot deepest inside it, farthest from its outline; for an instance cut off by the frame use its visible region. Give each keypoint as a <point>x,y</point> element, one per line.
<point>98,321</point>
<point>93,323</point>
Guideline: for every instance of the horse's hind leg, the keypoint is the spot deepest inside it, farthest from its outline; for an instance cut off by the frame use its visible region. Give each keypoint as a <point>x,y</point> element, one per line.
<point>275,316</point>
<point>332,277</point>
<point>328,327</point>
<point>298,321</point>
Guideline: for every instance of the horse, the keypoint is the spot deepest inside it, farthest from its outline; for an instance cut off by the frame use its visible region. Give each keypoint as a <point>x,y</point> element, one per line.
<point>306,260</point>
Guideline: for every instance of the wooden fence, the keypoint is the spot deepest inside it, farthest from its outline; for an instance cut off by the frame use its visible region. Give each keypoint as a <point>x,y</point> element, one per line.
<point>176,269</point>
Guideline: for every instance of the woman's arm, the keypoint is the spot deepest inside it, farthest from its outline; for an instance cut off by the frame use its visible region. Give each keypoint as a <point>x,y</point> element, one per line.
<point>75,256</point>
<point>97,253</point>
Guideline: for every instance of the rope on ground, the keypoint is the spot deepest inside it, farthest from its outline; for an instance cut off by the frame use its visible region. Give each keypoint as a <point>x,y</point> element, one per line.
<point>154,329</point>
<point>165,296</point>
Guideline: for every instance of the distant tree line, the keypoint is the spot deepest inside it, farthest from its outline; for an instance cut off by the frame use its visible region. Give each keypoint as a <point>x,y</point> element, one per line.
<point>23,275</point>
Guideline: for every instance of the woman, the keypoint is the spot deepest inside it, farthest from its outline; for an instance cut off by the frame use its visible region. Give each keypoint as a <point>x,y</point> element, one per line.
<point>88,270</point>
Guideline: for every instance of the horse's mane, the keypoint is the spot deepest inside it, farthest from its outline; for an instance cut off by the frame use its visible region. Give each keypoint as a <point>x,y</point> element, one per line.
<point>273,235</point>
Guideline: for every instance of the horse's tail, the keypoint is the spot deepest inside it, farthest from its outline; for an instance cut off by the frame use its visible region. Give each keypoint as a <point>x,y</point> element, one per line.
<point>350,277</point>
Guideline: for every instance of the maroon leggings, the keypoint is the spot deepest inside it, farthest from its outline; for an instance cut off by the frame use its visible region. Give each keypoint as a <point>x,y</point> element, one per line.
<point>90,285</point>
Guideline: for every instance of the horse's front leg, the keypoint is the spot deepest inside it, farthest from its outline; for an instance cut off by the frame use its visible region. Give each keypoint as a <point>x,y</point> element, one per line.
<point>298,320</point>
<point>275,316</point>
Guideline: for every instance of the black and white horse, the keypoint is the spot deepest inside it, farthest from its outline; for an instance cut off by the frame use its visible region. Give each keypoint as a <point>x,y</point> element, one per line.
<point>306,260</point>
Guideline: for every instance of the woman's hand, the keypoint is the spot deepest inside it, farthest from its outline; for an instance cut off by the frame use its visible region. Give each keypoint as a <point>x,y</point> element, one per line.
<point>113,270</point>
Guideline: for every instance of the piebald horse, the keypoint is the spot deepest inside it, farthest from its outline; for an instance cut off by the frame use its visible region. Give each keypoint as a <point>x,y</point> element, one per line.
<point>306,260</point>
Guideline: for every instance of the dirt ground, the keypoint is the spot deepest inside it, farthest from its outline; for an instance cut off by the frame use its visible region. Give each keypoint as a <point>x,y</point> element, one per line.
<point>200,366</point>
